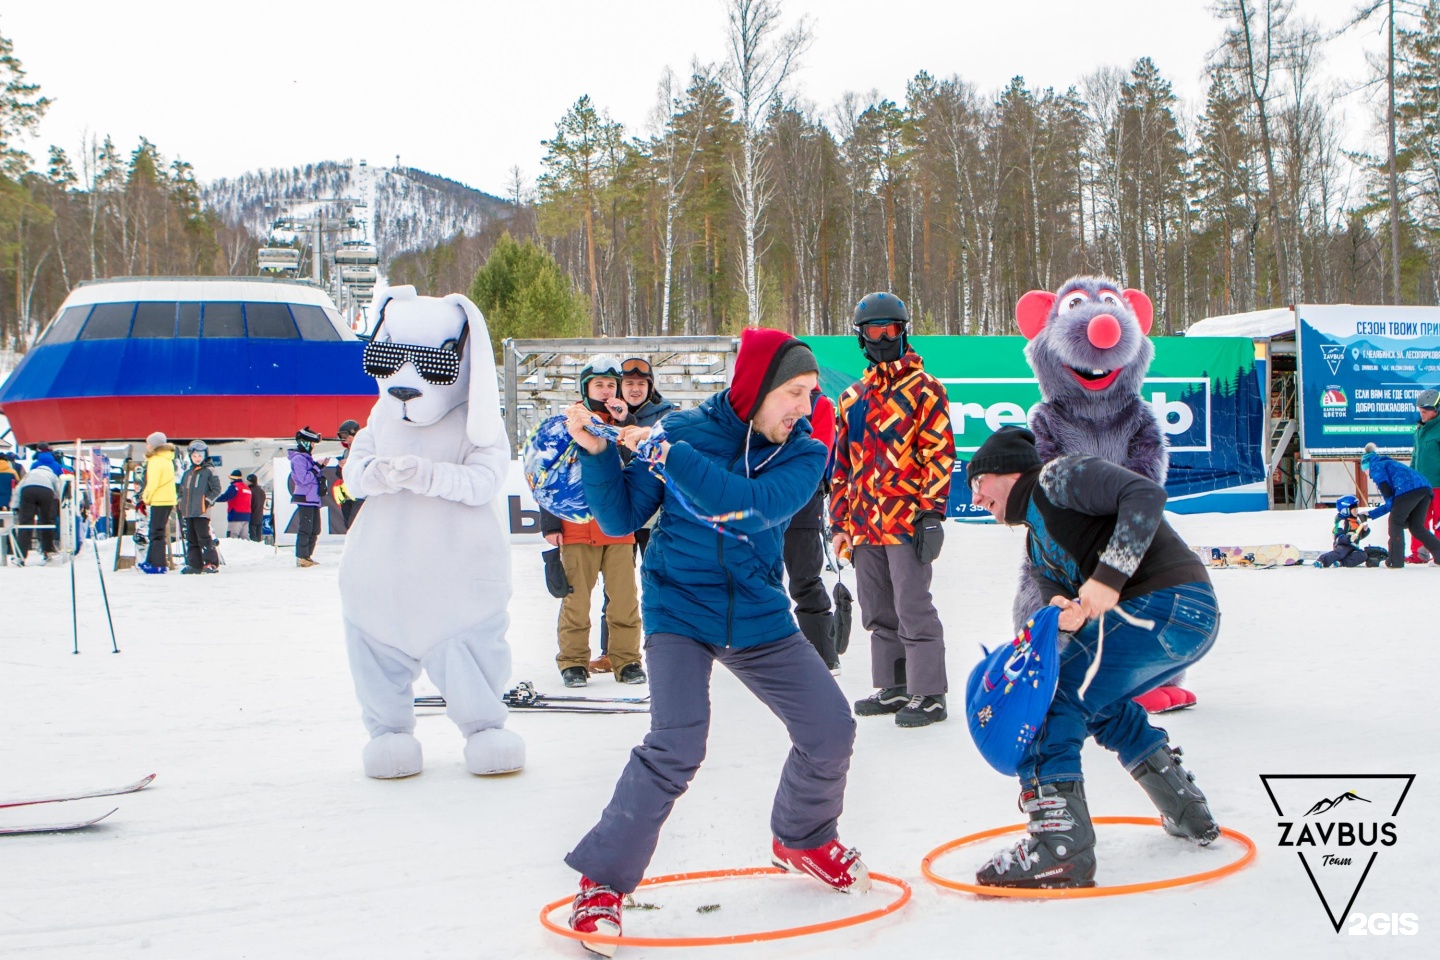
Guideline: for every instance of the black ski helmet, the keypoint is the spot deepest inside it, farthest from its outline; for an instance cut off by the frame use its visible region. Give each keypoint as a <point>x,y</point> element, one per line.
<point>305,438</point>
<point>349,426</point>
<point>881,307</point>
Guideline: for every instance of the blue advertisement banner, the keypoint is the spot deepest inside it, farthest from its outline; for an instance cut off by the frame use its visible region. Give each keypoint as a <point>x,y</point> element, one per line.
<point>1360,369</point>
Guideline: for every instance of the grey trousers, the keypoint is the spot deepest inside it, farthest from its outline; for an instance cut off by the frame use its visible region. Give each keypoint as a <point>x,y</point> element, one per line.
<point>907,642</point>
<point>790,678</point>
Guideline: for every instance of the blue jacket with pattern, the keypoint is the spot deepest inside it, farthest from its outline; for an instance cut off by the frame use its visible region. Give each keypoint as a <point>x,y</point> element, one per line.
<point>700,583</point>
<point>1089,517</point>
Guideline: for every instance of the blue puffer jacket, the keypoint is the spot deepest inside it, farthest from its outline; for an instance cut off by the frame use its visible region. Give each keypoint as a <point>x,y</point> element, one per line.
<point>699,583</point>
<point>1393,479</point>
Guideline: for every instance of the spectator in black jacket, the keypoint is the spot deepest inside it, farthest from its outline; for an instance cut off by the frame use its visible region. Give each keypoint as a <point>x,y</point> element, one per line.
<point>198,489</point>
<point>1139,605</point>
<point>257,508</point>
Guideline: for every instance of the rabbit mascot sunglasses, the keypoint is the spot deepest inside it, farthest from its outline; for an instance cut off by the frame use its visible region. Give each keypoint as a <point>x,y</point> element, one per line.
<point>425,579</point>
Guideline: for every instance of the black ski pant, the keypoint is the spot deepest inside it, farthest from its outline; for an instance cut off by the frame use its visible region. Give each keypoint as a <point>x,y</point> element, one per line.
<point>1408,512</point>
<point>37,506</point>
<point>350,509</point>
<point>804,559</point>
<point>1346,556</point>
<point>158,553</point>
<point>307,529</point>
<point>257,527</point>
<point>199,545</point>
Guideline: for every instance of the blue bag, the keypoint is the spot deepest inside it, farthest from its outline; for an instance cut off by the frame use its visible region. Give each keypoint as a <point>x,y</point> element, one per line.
<point>1009,692</point>
<point>552,469</point>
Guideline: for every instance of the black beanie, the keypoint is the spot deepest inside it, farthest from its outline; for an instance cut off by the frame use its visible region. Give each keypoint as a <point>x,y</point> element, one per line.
<point>1009,450</point>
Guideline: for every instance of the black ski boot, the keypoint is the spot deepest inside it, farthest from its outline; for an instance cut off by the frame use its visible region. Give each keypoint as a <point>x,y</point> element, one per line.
<point>1060,850</point>
<point>1183,810</point>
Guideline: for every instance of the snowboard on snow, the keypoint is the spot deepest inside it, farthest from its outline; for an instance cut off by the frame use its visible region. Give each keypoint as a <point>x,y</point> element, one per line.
<point>1261,557</point>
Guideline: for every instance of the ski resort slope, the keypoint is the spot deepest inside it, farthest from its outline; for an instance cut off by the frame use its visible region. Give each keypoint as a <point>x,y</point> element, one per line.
<point>260,838</point>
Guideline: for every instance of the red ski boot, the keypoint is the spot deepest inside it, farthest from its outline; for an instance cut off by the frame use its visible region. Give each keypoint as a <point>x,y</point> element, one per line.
<point>831,864</point>
<point>597,910</point>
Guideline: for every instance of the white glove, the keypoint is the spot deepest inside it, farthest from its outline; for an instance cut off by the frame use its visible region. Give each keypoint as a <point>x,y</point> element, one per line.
<point>409,472</point>
<point>377,477</point>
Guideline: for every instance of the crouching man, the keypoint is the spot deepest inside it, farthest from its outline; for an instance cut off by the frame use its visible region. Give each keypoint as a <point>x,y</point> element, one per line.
<point>1140,607</point>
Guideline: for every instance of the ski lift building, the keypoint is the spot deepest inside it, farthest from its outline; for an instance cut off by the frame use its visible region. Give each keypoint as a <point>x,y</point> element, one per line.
<point>209,357</point>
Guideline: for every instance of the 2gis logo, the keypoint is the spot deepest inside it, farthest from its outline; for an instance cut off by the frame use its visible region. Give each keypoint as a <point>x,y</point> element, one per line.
<point>1380,924</point>
<point>1338,825</point>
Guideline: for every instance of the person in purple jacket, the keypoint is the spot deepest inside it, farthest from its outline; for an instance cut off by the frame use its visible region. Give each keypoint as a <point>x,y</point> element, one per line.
<point>305,479</point>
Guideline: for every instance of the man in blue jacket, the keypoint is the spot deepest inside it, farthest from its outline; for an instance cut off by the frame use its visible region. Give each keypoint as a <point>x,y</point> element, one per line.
<point>745,460</point>
<point>1407,500</point>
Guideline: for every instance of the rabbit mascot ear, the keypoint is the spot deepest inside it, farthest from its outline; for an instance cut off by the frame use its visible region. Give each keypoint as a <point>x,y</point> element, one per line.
<point>483,423</point>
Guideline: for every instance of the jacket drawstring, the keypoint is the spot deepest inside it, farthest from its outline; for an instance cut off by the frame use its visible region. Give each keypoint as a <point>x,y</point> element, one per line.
<point>1094,668</point>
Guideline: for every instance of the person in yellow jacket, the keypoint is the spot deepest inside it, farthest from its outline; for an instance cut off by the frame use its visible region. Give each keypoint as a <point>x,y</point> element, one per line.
<point>159,498</point>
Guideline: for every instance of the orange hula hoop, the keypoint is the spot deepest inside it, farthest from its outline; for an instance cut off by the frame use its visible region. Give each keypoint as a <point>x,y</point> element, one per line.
<point>751,937</point>
<point>1072,893</point>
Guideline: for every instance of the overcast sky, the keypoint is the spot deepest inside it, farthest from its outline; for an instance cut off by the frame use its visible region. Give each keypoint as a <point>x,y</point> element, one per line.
<point>468,89</point>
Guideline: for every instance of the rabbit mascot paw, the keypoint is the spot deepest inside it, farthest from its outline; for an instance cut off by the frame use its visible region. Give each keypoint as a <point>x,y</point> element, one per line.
<point>425,579</point>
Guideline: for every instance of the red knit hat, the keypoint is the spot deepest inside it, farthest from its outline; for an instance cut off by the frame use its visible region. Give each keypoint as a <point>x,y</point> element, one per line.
<point>767,358</point>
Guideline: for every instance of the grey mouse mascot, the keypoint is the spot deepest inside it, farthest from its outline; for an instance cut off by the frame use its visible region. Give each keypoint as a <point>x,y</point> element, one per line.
<point>1089,348</point>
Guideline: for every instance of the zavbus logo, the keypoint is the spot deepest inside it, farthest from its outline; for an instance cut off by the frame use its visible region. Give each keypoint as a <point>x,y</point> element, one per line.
<point>1341,832</point>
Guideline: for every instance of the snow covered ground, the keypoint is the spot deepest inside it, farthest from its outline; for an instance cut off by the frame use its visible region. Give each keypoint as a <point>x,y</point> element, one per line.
<point>261,839</point>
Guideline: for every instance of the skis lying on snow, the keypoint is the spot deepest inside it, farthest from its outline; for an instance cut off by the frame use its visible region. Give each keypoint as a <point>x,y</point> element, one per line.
<point>526,697</point>
<point>61,798</point>
<point>52,827</point>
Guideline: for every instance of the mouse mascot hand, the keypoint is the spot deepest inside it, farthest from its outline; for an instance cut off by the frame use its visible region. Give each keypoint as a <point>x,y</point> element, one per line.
<point>425,579</point>
<point>1090,349</point>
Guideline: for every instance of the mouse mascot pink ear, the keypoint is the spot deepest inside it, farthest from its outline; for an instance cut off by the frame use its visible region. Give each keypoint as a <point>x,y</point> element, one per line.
<point>483,423</point>
<point>1032,312</point>
<point>1144,309</point>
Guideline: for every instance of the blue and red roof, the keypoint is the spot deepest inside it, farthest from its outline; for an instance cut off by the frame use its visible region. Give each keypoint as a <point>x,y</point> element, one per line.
<point>218,358</point>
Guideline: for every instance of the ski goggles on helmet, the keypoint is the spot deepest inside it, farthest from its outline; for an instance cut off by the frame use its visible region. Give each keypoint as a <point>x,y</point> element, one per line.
<point>437,365</point>
<point>878,329</point>
<point>636,367</point>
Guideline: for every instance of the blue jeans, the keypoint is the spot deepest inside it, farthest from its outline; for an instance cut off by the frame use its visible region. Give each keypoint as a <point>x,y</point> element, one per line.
<point>1134,660</point>
<point>790,678</point>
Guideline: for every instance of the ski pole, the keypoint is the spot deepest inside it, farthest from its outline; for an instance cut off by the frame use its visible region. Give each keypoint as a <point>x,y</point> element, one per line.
<point>74,616</point>
<point>100,572</point>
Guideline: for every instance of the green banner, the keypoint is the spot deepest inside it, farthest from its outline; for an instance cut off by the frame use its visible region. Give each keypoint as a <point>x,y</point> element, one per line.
<point>1204,392</point>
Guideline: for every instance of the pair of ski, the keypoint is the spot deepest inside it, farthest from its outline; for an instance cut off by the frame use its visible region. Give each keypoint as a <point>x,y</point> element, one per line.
<point>526,697</point>
<point>65,798</point>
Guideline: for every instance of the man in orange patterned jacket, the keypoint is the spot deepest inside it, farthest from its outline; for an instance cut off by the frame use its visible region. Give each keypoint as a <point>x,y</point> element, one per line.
<point>894,450</point>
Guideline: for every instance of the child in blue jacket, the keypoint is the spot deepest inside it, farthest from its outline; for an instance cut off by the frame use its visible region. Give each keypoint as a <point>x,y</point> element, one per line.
<point>1349,529</point>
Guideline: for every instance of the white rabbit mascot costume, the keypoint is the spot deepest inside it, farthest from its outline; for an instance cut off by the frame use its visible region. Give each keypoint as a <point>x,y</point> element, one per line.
<point>425,579</point>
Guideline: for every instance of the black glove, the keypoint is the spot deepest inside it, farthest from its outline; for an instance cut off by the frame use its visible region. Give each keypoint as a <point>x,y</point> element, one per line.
<point>555,580</point>
<point>929,535</point>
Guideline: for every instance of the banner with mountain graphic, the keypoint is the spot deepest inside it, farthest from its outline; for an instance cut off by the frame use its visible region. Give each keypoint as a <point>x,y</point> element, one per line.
<point>1360,369</point>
